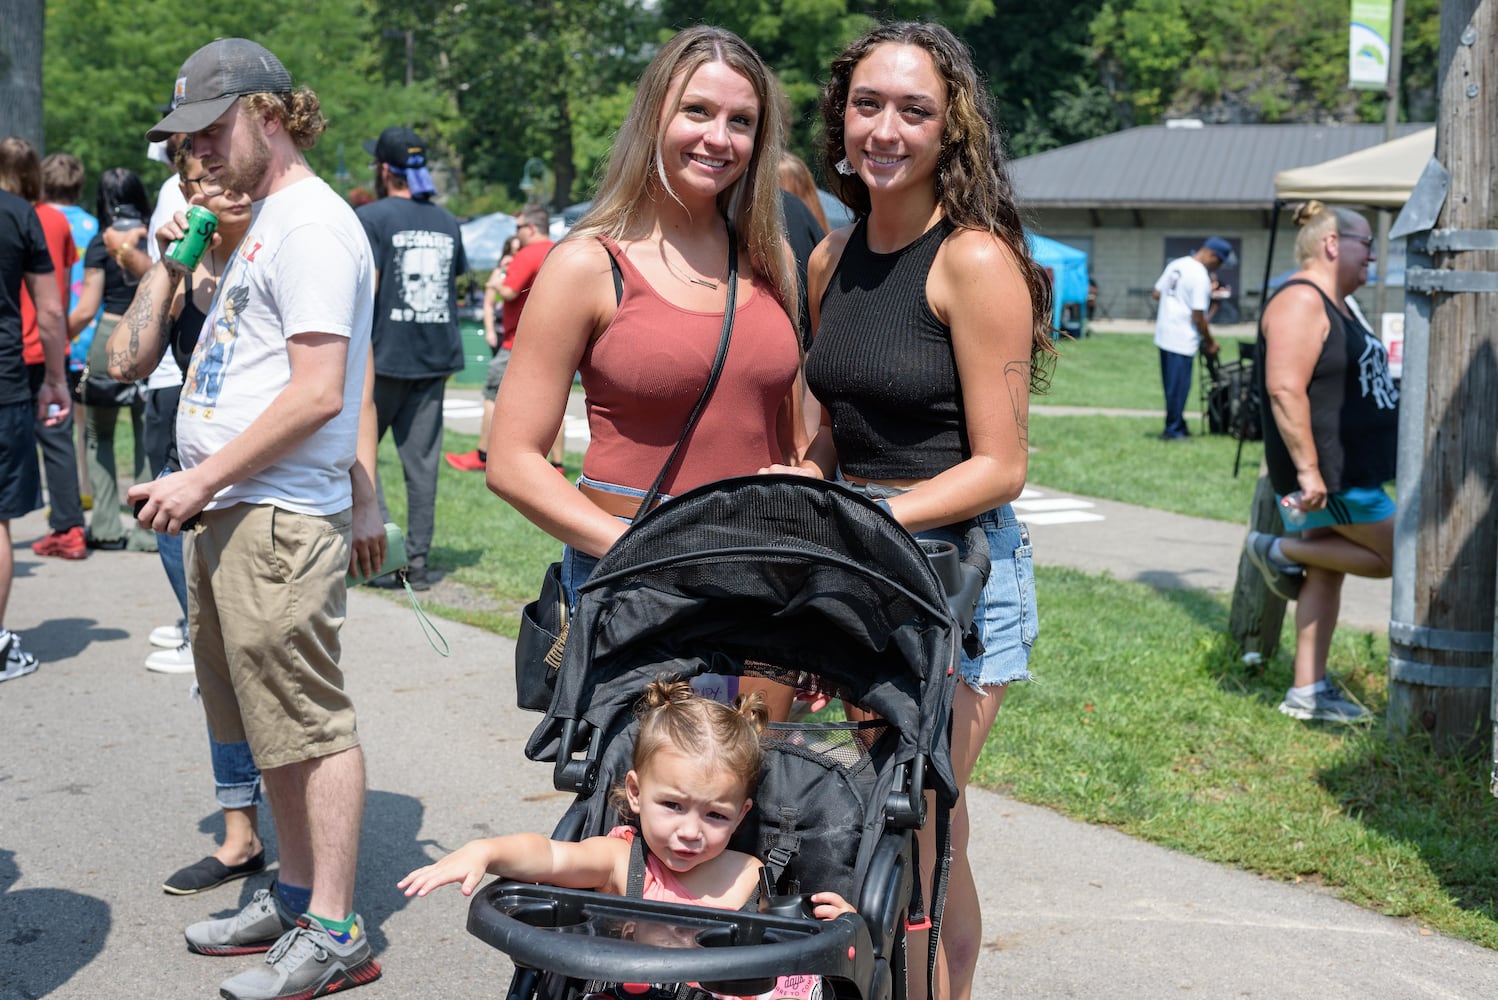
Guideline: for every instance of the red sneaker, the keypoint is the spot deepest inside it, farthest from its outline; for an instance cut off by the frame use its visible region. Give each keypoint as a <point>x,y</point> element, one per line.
<point>62,544</point>
<point>468,461</point>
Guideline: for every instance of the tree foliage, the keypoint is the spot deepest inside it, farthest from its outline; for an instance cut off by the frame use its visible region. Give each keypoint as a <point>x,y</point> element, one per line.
<point>1245,60</point>
<point>493,84</point>
<point>111,67</point>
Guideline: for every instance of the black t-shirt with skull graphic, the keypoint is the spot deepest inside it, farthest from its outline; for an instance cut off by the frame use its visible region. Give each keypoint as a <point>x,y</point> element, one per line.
<point>419,251</point>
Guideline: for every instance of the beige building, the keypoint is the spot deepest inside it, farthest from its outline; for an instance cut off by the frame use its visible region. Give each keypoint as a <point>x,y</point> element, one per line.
<point>1139,198</point>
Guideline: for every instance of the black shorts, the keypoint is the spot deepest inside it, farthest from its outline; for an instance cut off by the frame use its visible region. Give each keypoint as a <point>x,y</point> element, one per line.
<point>20,476</point>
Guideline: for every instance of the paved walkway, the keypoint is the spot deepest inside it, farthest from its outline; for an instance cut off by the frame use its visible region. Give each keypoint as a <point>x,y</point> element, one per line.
<point>105,789</point>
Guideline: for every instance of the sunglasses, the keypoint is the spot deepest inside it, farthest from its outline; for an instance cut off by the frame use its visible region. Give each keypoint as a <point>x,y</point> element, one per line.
<point>1367,241</point>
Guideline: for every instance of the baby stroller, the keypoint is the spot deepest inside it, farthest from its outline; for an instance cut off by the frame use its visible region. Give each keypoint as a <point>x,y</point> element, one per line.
<point>798,581</point>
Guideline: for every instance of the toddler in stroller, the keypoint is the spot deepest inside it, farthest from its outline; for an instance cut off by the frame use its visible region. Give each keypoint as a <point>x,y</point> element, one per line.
<point>696,767</point>
<point>793,580</point>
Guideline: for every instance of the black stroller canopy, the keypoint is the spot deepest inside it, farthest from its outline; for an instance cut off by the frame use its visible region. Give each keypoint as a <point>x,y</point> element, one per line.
<point>783,577</point>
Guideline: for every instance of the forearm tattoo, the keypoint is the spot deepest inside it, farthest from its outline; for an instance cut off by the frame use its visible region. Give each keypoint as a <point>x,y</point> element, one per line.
<point>1017,380</point>
<point>147,315</point>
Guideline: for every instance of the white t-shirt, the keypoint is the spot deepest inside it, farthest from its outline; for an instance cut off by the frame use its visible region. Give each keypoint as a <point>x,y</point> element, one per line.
<point>303,267</point>
<point>168,200</point>
<point>1184,287</point>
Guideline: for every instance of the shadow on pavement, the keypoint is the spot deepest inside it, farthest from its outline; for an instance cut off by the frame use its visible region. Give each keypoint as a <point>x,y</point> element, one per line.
<point>58,639</point>
<point>48,935</point>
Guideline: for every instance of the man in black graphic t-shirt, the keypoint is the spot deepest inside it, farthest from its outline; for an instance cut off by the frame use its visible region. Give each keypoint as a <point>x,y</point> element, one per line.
<point>24,262</point>
<point>417,345</point>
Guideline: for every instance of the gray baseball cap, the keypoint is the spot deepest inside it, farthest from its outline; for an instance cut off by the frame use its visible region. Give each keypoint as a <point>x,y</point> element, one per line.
<point>213,78</point>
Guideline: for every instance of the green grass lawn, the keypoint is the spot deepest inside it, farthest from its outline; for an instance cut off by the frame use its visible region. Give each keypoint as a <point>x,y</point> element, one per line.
<point>1142,717</point>
<point>1121,458</point>
<point>1114,370</point>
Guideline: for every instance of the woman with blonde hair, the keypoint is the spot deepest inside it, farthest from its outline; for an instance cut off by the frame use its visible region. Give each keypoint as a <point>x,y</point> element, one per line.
<point>634,299</point>
<point>1330,444</point>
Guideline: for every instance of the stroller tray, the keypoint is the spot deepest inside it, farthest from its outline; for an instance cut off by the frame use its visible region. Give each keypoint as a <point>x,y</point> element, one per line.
<point>590,935</point>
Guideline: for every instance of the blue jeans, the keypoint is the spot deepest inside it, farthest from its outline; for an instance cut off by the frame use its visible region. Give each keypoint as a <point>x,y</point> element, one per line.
<point>1175,373</point>
<point>236,779</point>
<point>578,566</point>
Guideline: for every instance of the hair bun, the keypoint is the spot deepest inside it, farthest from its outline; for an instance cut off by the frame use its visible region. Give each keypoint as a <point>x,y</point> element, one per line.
<point>1308,210</point>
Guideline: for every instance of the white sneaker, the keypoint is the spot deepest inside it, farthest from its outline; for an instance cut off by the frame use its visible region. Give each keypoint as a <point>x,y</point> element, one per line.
<point>1327,705</point>
<point>14,661</point>
<point>169,636</point>
<point>171,661</point>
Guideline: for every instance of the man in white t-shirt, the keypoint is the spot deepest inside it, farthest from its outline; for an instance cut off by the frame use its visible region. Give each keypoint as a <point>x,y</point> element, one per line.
<point>268,434</point>
<point>1184,291</point>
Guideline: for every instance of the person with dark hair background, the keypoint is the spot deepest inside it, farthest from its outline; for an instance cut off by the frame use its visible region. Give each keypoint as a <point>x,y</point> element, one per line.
<point>419,255</point>
<point>21,174</point>
<point>24,261</point>
<point>122,203</point>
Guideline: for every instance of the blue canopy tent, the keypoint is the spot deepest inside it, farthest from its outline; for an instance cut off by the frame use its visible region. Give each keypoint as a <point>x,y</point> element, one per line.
<point>1067,267</point>
<point>484,237</point>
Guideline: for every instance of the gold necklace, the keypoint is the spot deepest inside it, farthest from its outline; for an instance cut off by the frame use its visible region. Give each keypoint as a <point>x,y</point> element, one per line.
<point>682,275</point>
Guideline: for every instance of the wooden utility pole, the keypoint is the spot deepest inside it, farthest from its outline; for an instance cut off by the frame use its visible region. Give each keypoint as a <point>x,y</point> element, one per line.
<point>21,24</point>
<point>1391,120</point>
<point>1441,656</point>
<point>1257,614</point>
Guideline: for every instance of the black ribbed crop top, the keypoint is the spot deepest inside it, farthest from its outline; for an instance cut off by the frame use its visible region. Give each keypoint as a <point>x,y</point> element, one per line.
<point>882,363</point>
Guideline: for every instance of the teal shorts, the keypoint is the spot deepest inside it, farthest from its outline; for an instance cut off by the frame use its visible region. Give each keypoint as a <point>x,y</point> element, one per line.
<point>1359,505</point>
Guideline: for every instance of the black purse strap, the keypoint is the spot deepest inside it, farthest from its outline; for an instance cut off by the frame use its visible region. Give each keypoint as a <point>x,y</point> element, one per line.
<point>712,378</point>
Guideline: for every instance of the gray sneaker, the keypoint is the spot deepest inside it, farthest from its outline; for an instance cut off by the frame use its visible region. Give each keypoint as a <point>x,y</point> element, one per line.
<point>307,962</point>
<point>1329,705</point>
<point>250,931</point>
<point>1282,580</point>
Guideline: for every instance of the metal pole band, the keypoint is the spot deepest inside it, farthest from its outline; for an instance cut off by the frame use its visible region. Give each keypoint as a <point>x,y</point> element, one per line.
<point>1425,279</point>
<point>1458,240</point>
<point>1447,640</point>
<point>1410,672</point>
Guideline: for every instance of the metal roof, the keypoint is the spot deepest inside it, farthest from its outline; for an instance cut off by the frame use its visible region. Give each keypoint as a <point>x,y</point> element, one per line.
<point>1184,166</point>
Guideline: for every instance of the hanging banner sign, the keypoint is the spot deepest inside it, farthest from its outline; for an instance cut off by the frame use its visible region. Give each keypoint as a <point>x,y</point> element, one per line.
<point>1368,44</point>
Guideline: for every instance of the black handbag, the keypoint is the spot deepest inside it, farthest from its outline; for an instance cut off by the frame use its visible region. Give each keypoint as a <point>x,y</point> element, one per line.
<point>542,639</point>
<point>539,646</point>
<point>95,387</point>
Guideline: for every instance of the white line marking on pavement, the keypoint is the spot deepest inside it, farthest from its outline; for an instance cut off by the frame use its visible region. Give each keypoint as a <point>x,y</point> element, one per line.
<point>1035,508</point>
<point>461,409</point>
<point>1056,503</point>
<point>1062,517</point>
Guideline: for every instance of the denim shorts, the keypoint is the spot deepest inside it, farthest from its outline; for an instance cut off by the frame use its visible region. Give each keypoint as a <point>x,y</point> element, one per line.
<point>578,566</point>
<point>1007,619</point>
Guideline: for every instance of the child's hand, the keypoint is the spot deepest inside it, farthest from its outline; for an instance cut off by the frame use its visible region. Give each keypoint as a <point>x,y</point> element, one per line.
<point>829,905</point>
<point>468,864</point>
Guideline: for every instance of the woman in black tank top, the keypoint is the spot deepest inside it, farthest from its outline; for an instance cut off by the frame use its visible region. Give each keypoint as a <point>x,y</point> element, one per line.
<point>931,330</point>
<point>1329,445</point>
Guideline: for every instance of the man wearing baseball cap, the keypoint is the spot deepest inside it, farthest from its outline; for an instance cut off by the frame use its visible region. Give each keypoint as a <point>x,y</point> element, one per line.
<point>1184,291</point>
<point>271,467</point>
<point>418,252</point>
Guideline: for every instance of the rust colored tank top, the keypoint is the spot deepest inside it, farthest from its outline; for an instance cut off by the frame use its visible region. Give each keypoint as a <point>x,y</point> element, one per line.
<point>645,372</point>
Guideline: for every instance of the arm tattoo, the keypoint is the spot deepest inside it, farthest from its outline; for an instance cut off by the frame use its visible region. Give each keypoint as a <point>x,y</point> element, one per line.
<point>1017,380</point>
<point>147,314</point>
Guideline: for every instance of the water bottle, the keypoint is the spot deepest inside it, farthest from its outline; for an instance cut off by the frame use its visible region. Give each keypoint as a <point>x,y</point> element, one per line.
<point>1294,514</point>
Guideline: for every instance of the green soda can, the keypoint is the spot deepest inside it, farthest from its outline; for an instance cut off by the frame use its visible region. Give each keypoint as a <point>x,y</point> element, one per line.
<point>187,251</point>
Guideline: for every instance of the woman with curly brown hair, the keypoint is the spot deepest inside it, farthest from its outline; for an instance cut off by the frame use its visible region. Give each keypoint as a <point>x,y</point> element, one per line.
<point>931,331</point>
